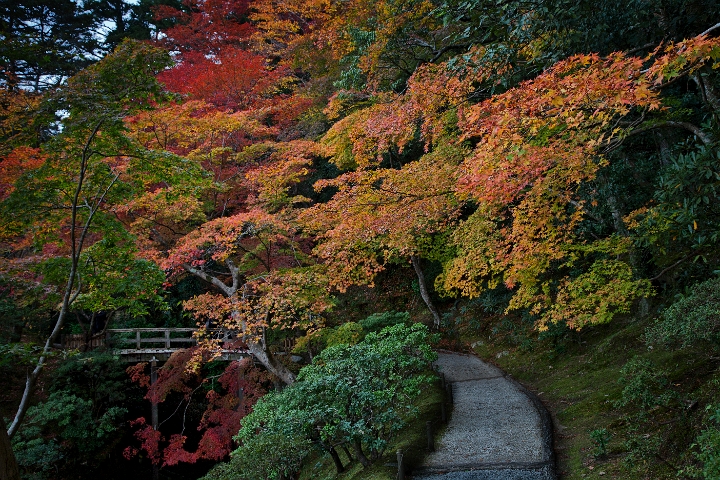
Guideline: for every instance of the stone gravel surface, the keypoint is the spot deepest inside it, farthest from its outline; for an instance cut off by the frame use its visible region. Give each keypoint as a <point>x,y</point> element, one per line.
<point>497,430</point>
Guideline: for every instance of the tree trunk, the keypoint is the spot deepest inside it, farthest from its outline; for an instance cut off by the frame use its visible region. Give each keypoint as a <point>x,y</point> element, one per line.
<point>623,231</point>
<point>617,216</point>
<point>268,360</point>
<point>424,291</point>
<point>77,244</point>
<point>710,96</point>
<point>357,447</point>
<point>256,346</point>
<point>347,452</point>
<point>17,332</point>
<point>336,458</point>
<point>35,374</point>
<point>8,465</point>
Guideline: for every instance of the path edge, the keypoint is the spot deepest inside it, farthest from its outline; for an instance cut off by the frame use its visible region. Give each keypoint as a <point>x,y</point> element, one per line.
<point>546,424</point>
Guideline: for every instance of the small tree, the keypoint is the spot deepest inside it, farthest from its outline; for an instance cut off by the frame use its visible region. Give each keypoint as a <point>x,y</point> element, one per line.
<point>186,379</point>
<point>357,395</point>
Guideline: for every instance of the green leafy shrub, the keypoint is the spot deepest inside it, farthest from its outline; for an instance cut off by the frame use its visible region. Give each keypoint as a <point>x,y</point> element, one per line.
<point>313,342</point>
<point>648,394</point>
<point>64,431</point>
<point>346,334</point>
<point>493,300</point>
<point>357,396</point>
<point>708,448</point>
<point>79,422</point>
<point>684,220</point>
<point>644,385</point>
<point>378,321</point>
<point>642,449</point>
<point>316,341</point>
<point>263,457</point>
<point>691,319</point>
<point>372,384</point>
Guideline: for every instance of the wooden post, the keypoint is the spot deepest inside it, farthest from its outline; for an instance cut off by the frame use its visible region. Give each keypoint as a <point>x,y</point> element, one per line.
<point>241,391</point>
<point>401,467</point>
<point>430,436</point>
<point>154,408</point>
<point>167,339</point>
<point>137,340</point>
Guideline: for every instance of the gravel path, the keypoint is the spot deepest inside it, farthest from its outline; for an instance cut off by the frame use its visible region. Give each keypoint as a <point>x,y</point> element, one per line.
<point>498,430</point>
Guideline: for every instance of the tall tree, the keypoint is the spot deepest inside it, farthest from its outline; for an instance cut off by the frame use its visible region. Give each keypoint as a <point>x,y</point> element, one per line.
<point>8,465</point>
<point>64,206</point>
<point>115,20</point>
<point>43,43</point>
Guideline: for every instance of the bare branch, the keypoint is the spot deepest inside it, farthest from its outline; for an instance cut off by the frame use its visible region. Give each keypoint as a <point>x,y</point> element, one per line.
<point>716,26</point>
<point>229,291</point>
<point>703,136</point>
<point>662,272</point>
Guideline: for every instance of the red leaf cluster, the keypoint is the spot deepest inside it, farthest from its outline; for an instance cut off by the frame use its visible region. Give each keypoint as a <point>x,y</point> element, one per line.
<point>240,386</point>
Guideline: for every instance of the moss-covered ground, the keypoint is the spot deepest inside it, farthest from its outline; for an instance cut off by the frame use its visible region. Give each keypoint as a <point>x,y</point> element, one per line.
<point>650,415</point>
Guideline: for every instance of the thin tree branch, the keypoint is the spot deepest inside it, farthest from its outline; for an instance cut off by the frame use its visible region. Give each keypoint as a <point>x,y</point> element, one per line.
<point>704,137</point>
<point>662,272</point>
<point>229,291</point>
<point>714,27</point>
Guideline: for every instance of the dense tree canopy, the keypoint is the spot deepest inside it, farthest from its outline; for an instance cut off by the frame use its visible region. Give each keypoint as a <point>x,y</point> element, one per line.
<point>253,162</point>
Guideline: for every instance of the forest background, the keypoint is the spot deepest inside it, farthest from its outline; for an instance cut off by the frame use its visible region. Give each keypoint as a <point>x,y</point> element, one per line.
<point>288,169</point>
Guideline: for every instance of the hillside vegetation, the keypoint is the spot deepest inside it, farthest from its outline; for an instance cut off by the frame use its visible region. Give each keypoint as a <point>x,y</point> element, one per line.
<point>300,173</point>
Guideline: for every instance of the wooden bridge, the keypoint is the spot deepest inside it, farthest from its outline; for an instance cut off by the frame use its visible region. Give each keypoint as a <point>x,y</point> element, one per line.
<point>144,344</point>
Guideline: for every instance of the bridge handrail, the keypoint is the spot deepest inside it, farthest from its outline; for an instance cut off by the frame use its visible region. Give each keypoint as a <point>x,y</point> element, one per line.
<point>146,340</point>
<point>159,329</point>
<point>165,339</point>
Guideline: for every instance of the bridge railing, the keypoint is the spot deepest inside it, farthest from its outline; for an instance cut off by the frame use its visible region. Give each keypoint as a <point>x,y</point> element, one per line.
<point>144,344</point>
<point>168,338</point>
<point>81,341</point>
<point>144,338</point>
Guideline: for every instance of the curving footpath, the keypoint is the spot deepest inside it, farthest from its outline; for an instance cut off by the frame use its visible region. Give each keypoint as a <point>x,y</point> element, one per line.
<point>498,429</point>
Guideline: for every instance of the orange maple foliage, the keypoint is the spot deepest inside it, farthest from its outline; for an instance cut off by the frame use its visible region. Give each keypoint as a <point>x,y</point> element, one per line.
<point>683,58</point>
<point>363,138</point>
<point>289,163</point>
<point>536,144</point>
<point>379,216</point>
<point>532,148</point>
<point>211,139</point>
<point>261,276</point>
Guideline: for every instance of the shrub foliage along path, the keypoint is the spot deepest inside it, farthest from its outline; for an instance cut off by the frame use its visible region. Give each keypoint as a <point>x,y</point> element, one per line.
<point>498,430</point>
